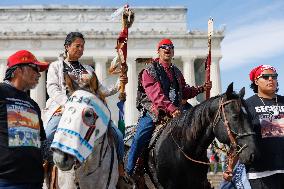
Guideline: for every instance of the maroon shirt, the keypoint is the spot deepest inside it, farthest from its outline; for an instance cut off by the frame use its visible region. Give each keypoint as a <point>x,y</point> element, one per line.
<point>155,92</point>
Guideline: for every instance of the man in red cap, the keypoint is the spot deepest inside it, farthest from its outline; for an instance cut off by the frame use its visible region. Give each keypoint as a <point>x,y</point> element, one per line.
<point>21,129</point>
<point>161,91</point>
<point>267,111</point>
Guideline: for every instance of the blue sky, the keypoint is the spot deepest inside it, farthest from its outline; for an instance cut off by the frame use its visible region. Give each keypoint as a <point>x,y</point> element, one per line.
<point>253,36</point>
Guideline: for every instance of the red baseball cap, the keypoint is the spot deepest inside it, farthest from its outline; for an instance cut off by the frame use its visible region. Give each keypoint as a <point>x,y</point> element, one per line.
<point>164,42</point>
<point>25,57</point>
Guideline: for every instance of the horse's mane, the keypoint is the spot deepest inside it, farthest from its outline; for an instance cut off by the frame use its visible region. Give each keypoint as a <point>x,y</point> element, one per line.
<point>194,118</point>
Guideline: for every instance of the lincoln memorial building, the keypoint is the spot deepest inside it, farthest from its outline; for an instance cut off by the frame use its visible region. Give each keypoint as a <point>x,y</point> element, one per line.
<point>42,30</point>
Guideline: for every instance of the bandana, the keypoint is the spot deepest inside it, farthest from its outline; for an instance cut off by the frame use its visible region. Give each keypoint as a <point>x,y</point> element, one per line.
<point>164,42</point>
<point>256,72</point>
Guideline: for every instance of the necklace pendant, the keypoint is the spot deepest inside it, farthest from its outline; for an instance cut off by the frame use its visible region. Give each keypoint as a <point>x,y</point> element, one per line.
<point>275,111</point>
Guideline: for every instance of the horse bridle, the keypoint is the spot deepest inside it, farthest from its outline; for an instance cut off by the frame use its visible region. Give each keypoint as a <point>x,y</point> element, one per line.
<point>235,149</point>
<point>233,135</point>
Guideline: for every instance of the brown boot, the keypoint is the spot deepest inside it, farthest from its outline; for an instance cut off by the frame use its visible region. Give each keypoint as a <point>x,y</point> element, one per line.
<point>138,174</point>
<point>124,181</point>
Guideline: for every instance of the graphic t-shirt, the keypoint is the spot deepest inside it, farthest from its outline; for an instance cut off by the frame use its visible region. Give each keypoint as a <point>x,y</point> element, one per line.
<point>268,121</point>
<point>271,118</point>
<point>23,124</point>
<point>21,131</point>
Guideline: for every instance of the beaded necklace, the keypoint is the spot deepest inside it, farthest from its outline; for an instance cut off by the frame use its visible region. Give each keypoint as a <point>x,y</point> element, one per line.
<point>275,111</point>
<point>76,72</point>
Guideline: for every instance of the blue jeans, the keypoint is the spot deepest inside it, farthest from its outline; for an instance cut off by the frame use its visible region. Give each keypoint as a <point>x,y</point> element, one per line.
<point>140,141</point>
<point>11,185</point>
<point>223,161</point>
<point>54,121</point>
<point>50,129</point>
<point>52,126</point>
<point>240,179</point>
<point>119,142</point>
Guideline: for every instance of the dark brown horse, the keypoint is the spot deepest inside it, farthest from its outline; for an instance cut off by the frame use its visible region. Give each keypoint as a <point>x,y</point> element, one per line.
<point>188,137</point>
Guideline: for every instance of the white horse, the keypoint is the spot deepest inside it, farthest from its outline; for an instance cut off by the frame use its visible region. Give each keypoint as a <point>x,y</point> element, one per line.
<point>84,149</point>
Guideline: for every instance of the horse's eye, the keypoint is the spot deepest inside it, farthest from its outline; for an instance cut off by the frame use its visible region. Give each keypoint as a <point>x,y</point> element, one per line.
<point>89,117</point>
<point>88,114</point>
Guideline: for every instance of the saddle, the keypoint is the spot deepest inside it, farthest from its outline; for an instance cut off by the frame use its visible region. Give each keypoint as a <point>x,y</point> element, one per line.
<point>159,127</point>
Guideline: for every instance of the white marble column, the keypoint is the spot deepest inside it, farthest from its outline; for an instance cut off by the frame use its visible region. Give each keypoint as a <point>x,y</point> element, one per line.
<point>189,74</point>
<point>38,94</point>
<point>3,67</point>
<point>215,76</point>
<point>131,113</point>
<point>100,67</point>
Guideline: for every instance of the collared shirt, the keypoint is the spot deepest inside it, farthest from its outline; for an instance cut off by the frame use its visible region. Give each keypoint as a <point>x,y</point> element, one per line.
<point>155,92</point>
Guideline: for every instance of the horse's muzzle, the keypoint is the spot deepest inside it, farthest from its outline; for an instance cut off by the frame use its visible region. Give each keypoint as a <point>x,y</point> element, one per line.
<point>248,159</point>
<point>62,160</point>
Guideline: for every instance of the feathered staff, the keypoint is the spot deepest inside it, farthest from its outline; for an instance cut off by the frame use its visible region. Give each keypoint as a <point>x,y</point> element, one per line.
<point>208,59</point>
<point>118,65</point>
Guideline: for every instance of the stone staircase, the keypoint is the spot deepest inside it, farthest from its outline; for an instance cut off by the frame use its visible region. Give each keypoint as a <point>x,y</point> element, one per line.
<point>215,179</point>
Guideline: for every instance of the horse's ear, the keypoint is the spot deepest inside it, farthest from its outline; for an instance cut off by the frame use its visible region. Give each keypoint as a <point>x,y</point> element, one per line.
<point>69,83</point>
<point>94,83</point>
<point>230,90</point>
<point>94,87</point>
<point>242,92</point>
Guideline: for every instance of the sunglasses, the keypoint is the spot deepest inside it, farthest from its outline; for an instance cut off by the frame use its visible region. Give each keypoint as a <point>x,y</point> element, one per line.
<point>166,47</point>
<point>267,76</point>
<point>33,67</point>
